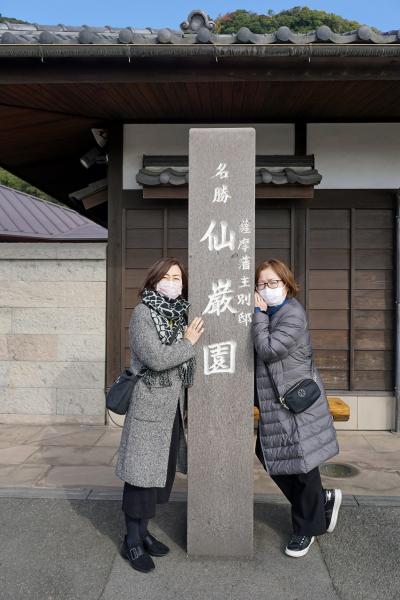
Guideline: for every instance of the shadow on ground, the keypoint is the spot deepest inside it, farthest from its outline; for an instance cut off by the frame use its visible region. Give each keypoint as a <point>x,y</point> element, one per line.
<point>52,549</point>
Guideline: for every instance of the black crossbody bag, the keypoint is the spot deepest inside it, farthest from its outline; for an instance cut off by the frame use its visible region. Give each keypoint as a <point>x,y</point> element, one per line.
<point>300,396</point>
<point>119,395</point>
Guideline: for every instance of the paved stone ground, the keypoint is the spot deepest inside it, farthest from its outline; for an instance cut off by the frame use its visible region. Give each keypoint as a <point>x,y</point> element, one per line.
<point>77,456</point>
<point>53,549</point>
<point>61,527</point>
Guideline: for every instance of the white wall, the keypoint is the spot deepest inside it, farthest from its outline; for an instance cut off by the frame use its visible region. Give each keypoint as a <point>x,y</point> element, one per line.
<point>348,155</point>
<point>52,332</point>
<point>356,155</point>
<point>174,139</point>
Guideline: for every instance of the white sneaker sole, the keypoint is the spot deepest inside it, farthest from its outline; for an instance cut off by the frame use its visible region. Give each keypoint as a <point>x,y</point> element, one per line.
<point>335,511</point>
<point>300,552</point>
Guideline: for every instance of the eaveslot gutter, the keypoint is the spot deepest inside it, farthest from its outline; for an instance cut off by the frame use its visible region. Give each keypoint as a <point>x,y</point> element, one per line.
<point>43,51</point>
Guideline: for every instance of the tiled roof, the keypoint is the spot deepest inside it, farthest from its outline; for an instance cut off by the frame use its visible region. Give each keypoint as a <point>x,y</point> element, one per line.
<point>272,170</point>
<point>24,216</point>
<point>197,29</point>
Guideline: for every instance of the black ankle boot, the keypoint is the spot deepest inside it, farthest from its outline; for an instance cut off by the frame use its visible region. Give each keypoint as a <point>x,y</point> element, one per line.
<point>137,557</point>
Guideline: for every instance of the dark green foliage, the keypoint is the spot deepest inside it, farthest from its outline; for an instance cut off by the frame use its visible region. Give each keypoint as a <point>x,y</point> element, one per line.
<point>16,183</point>
<point>10,20</point>
<point>299,19</point>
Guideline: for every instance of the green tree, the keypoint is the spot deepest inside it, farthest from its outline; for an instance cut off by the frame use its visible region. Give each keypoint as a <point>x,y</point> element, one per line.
<point>10,20</point>
<point>299,19</point>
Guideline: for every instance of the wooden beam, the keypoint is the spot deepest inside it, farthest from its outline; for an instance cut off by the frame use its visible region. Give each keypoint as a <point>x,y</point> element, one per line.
<point>262,191</point>
<point>300,137</point>
<point>227,69</point>
<point>166,192</point>
<point>284,191</point>
<point>114,256</point>
<point>95,199</point>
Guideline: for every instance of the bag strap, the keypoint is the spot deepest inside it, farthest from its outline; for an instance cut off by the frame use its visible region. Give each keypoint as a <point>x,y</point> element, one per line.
<point>274,386</point>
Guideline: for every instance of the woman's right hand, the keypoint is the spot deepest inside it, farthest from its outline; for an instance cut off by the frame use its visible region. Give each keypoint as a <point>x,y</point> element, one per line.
<point>195,330</point>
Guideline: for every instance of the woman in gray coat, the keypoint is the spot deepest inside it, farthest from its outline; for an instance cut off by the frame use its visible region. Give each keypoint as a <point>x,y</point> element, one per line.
<point>153,441</point>
<point>291,446</point>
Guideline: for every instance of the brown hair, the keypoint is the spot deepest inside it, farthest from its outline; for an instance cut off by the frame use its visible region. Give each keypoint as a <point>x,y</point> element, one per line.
<point>157,271</point>
<point>283,272</point>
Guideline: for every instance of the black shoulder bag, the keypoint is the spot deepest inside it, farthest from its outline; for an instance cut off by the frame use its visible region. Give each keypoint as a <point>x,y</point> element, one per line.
<point>120,393</point>
<point>300,396</point>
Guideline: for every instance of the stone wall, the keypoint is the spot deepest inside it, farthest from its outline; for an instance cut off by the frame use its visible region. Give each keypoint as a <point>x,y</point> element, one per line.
<point>52,332</point>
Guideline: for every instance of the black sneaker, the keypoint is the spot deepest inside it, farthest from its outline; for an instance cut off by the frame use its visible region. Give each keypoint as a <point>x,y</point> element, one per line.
<point>153,546</point>
<point>299,545</point>
<point>137,557</point>
<point>333,500</point>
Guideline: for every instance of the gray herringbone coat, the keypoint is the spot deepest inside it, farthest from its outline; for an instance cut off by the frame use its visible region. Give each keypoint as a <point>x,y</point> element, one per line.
<point>290,443</point>
<point>146,435</point>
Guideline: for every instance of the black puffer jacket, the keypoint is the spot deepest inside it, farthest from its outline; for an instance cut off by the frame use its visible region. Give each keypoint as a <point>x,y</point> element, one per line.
<point>289,443</point>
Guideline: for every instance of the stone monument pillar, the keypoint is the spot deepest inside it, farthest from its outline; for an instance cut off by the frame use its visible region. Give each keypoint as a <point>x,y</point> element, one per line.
<point>221,289</point>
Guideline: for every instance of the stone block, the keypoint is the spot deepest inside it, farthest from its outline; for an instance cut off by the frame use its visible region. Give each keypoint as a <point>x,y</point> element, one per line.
<point>43,294</point>
<point>52,270</point>
<point>21,475</point>
<point>350,441</point>
<point>4,373</point>
<point>15,455</point>
<point>59,320</point>
<point>71,455</point>
<point>28,400</point>
<point>384,442</point>
<point>32,346</point>
<point>15,434</point>
<point>375,412</point>
<point>5,319</point>
<point>67,435</point>
<point>41,420</point>
<point>54,250</point>
<point>81,347</point>
<point>3,348</point>
<point>369,482</point>
<point>56,374</point>
<point>80,402</point>
<point>110,437</point>
<point>73,476</point>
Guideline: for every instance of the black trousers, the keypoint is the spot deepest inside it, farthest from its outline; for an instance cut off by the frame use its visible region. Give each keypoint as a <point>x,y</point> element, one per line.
<point>139,502</point>
<point>306,495</point>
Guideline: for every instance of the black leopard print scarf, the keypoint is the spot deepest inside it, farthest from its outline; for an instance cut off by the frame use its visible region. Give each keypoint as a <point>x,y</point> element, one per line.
<point>170,317</point>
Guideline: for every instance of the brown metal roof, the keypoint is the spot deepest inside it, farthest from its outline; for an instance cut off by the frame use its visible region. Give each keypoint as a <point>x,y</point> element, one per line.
<point>24,217</point>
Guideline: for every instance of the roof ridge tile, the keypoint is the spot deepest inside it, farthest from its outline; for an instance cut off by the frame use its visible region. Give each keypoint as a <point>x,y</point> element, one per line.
<point>198,28</point>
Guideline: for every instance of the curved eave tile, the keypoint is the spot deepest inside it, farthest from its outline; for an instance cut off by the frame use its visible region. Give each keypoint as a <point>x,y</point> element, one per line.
<point>169,176</point>
<point>31,34</point>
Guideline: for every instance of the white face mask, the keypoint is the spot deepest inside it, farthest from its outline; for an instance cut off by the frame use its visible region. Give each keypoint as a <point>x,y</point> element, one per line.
<point>273,296</point>
<point>172,289</point>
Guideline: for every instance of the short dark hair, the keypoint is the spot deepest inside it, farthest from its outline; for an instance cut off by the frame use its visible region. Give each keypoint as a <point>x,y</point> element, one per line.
<point>283,272</point>
<point>157,271</point>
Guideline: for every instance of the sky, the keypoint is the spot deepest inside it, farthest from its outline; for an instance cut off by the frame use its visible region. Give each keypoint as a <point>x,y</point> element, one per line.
<point>385,15</point>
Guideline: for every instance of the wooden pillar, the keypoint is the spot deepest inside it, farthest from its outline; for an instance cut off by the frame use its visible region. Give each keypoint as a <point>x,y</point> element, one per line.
<point>221,288</point>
